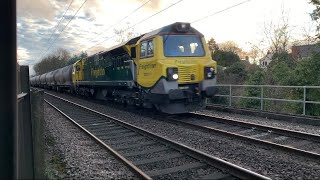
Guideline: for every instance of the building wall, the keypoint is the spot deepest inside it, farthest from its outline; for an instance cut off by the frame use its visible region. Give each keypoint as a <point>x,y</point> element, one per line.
<point>265,61</point>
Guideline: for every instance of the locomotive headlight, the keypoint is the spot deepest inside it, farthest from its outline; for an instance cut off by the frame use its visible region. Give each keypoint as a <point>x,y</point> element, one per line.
<point>209,72</point>
<point>172,74</point>
<point>175,76</point>
<point>182,27</point>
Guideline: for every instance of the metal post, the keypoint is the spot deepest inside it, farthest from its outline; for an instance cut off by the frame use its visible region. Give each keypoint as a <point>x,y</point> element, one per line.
<point>230,95</point>
<point>8,94</point>
<point>24,148</point>
<point>261,99</point>
<point>38,133</point>
<point>304,99</point>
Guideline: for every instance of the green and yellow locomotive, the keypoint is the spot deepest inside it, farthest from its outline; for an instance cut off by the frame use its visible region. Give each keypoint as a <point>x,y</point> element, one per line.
<point>169,68</point>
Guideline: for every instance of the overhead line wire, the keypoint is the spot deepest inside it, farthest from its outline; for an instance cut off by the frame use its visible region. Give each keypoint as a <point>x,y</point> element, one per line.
<point>139,22</point>
<point>66,26</point>
<point>103,31</point>
<point>60,20</point>
<point>230,7</point>
<point>57,26</point>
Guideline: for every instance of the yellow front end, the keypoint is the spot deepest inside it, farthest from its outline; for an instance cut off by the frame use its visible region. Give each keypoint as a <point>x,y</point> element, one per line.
<point>153,68</point>
<point>175,81</point>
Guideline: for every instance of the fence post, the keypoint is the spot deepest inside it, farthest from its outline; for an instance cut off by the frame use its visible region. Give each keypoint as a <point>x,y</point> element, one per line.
<point>24,149</point>
<point>38,133</point>
<point>230,95</point>
<point>304,100</point>
<point>261,99</point>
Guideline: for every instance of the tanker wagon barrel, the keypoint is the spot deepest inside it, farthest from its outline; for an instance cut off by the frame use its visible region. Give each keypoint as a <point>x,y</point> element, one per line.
<point>63,77</point>
<point>67,75</point>
<point>42,80</point>
<point>49,79</point>
<point>37,80</point>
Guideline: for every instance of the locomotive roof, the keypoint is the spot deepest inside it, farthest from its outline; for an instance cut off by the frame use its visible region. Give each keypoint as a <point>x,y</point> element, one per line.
<point>172,29</point>
<point>163,30</point>
<point>169,29</point>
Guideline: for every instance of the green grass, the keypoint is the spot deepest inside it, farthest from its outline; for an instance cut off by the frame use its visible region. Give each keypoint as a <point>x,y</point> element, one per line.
<point>54,162</point>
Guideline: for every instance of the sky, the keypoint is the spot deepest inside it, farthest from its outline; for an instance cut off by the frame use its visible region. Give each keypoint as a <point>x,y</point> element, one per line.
<point>93,27</point>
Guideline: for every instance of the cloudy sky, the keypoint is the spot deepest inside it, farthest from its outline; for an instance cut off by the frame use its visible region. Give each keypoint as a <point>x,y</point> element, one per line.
<point>92,28</point>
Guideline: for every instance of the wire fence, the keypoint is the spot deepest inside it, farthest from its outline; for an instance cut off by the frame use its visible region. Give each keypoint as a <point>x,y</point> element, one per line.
<point>298,100</point>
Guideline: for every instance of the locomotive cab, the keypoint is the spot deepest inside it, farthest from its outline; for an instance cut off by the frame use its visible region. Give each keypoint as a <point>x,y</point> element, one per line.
<point>175,69</point>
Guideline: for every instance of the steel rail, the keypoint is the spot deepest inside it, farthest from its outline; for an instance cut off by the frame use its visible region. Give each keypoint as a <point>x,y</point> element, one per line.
<point>301,119</point>
<point>273,86</point>
<point>286,132</point>
<point>246,138</point>
<point>131,166</point>
<point>232,169</point>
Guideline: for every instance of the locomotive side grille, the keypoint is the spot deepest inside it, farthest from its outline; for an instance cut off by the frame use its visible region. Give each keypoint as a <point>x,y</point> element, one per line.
<point>187,73</point>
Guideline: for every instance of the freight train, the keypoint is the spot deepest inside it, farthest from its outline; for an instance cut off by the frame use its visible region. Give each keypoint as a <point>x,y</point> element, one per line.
<point>170,69</point>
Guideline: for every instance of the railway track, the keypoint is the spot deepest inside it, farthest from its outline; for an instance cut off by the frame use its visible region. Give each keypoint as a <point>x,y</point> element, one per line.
<point>148,155</point>
<point>307,120</point>
<point>300,143</point>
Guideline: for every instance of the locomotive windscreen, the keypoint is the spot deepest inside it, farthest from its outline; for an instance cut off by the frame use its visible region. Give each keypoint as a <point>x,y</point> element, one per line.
<point>182,46</point>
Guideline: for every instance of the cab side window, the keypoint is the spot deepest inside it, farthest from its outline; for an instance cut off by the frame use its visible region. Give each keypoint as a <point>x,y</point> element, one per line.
<point>150,48</point>
<point>143,49</point>
<point>146,49</point>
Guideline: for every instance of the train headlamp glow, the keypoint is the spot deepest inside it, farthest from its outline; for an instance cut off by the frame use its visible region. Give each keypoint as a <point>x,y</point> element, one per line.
<point>175,76</point>
<point>182,27</point>
<point>209,72</point>
<point>172,74</point>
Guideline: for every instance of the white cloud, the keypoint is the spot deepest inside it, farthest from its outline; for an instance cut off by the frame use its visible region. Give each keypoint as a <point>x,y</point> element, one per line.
<point>242,24</point>
<point>36,9</point>
<point>23,55</point>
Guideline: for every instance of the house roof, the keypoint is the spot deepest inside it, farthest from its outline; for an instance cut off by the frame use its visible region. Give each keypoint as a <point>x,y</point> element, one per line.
<point>303,51</point>
<point>267,57</point>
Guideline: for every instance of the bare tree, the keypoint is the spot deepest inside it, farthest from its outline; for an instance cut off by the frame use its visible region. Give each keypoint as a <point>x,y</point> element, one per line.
<point>309,33</point>
<point>52,61</point>
<point>278,35</point>
<point>256,52</point>
<point>125,33</point>
<point>62,54</point>
<point>231,46</point>
<point>213,46</point>
<point>315,15</point>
